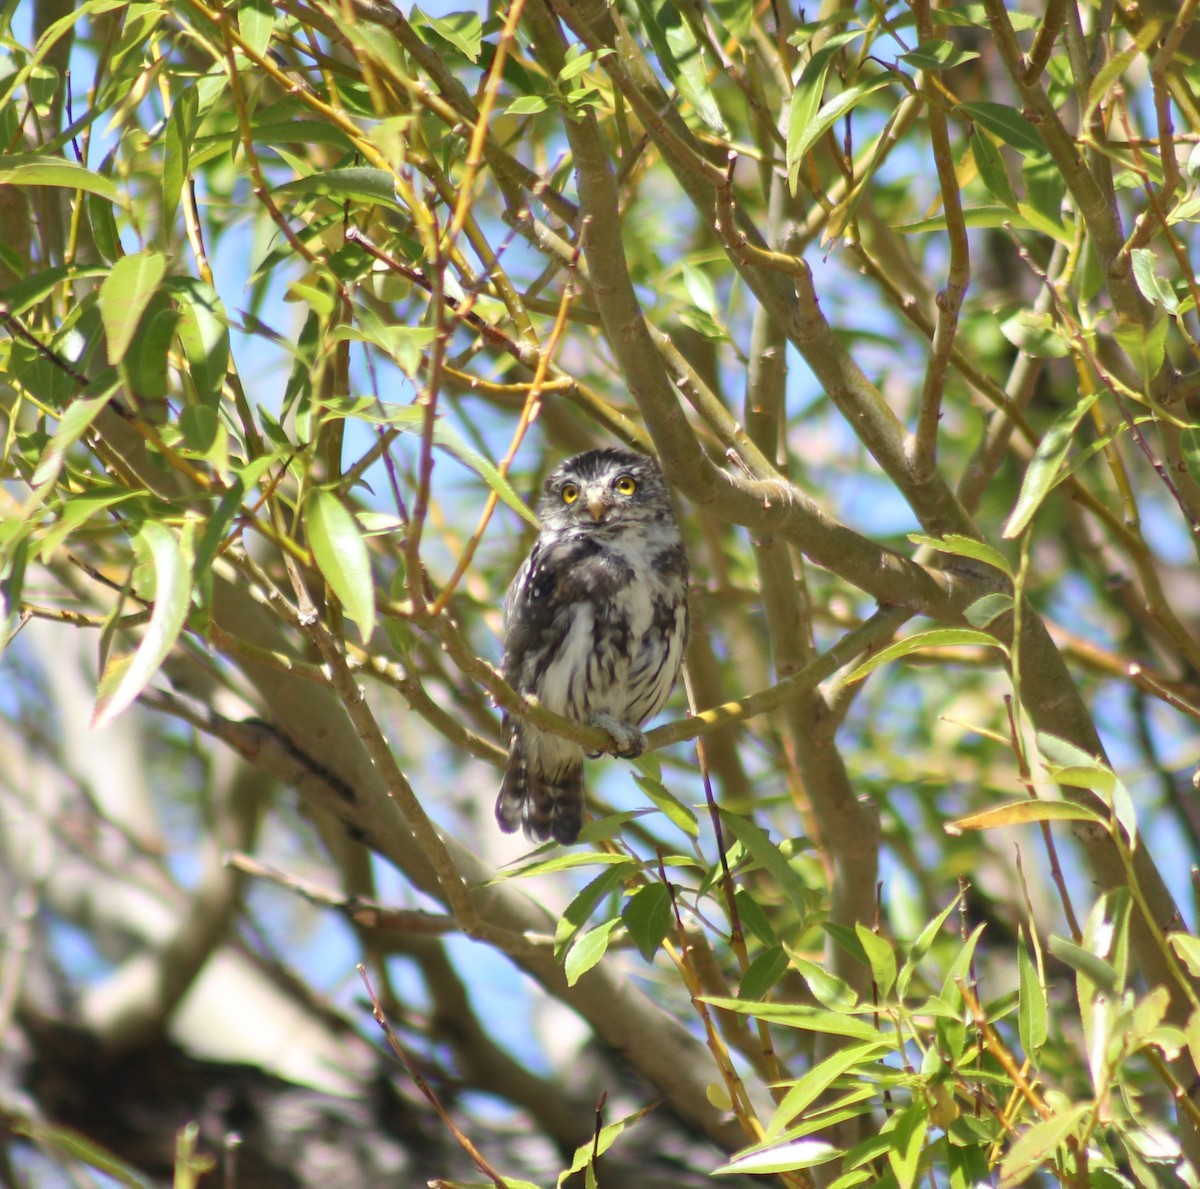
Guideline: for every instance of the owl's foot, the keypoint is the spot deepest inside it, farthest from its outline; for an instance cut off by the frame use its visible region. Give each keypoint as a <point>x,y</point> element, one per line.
<point>628,740</point>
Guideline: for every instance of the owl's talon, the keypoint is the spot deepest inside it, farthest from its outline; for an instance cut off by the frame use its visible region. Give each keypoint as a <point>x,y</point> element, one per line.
<point>628,741</point>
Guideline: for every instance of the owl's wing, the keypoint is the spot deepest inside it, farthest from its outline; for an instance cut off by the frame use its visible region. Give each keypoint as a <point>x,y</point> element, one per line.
<point>560,570</point>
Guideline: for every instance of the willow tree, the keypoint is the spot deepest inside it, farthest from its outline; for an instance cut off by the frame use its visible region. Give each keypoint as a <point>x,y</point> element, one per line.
<point>301,302</point>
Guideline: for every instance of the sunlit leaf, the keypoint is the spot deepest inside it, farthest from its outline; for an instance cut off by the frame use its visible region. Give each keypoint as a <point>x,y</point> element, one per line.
<point>920,642</point>
<point>33,169</point>
<point>126,675</point>
<point>587,950</point>
<point>341,555</point>
<point>124,296</point>
<point>1043,472</point>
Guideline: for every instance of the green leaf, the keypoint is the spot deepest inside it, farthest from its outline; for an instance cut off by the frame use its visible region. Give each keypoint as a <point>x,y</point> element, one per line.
<point>1008,124</point>
<point>988,609</point>
<point>1146,345</point>
<point>647,915</point>
<point>449,440</point>
<point>674,810</point>
<point>1021,813</point>
<point>1093,967</point>
<point>682,59</point>
<point>604,1139</point>
<point>577,913</point>
<point>1044,187</point>
<point>124,296</point>
<point>74,423</point>
<point>767,855</point>
<point>1039,1143</point>
<point>356,183</point>
<point>527,105</point>
<point>256,21</point>
<point>1187,948</point>
<point>881,957</point>
<point>992,170</point>
<point>827,988</point>
<point>784,1157</point>
<point>341,556</point>
<point>33,169</point>
<point>203,330</point>
<point>145,365</point>
<point>937,55</point>
<point>807,136</point>
<point>856,1057</point>
<point>919,641</point>
<point>806,99</point>
<point>1153,288</point>
<point>1031,1014</point>
<point>180,133</point>
<point>1043,473</point>
<point>125,676</point>
<point>1036,333</point>
<point>588,949</point>
<point>753,918</point>
<point>958,545</point>
<point>809,1019</point>
<point>763,973</point>
<point>462,30</point>
<point>906,1131</point>
<point>1107,77</point>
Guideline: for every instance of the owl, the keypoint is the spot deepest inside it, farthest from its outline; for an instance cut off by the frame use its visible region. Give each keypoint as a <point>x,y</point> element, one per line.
<point>595,624</point>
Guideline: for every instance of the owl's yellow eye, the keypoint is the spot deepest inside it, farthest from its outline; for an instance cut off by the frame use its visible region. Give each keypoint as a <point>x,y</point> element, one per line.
<point>626,485</point>
<point>570,493</point>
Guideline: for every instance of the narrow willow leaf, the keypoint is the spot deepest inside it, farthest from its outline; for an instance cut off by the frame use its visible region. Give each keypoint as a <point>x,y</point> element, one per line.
<point>145,364</point>
<point>203,331</point>
<point>1031,1014</point>
<point>818,1079</point>
<point>906,1132</point>
<point>36,170</point>
<point>1146,345</point>
<point>355,183</point>
<point>1107,77</point>
<point>674,810</point>
<point>1187,948</point>
<point>588,949</point>
<point>827,988</point>
<point>1043,473</point>
<point>985,611</point>
<point>74,423</point>
<point>937,55</point>
<point>124,296</point>
<point>1021,813</point>
<point>763,973</point>
<point>647,915</point>
<point>452,443</point>
<point>1008,124</point>
<point>1091,966</point>
<point>810,1019</point>
<point>992,169</point>
<point>767,855</point>
<point>125,676</point>
<point>806,99</point>
<point>919,641</point>
<point>604,1139</point>
<point>180,134</point>
<point>576,915</point>
<point>881,957</point>
<point>1039,1143</point>
<point>840,105</point>
<point>784,1157</point>
<point>256,21</point>
<point>341,556</point>
<point>958,545</point>
<point>753,918</point>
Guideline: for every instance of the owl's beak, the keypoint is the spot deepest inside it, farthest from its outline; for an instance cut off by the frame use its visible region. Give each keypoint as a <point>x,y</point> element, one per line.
<point>597,505</point>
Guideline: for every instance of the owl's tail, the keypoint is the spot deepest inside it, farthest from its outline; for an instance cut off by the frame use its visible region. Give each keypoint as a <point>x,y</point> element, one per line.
<point>546,807</point>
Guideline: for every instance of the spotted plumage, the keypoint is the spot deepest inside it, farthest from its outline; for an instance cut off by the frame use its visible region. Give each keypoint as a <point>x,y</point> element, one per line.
<point>595,624</point>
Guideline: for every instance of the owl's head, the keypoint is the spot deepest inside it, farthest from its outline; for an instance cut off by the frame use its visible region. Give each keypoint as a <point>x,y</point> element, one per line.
<point>603,488</point>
